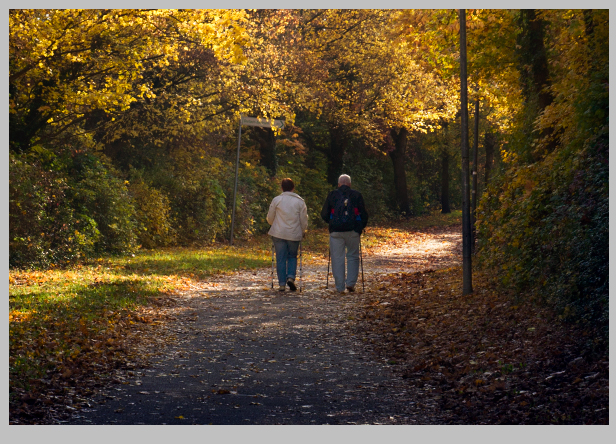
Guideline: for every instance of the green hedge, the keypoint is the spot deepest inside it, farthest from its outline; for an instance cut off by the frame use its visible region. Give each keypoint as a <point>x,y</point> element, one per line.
<point>66,206</point>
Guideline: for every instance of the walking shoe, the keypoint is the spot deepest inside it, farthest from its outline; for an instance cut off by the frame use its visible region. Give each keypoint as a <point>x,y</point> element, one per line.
<point>351,289</point>
<point>281,288</point>
<point>291,284</point>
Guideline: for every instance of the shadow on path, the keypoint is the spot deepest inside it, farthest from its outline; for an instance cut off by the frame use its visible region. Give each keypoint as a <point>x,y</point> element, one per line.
<point>242,353</point>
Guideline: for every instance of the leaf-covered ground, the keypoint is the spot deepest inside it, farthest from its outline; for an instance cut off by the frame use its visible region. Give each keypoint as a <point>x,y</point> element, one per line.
<point>69,329</point>
<point>485,358</point>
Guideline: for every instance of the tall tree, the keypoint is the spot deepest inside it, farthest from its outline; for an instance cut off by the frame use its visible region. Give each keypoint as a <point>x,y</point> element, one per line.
<point>69,66</point>
<point>375,82</point>
<point>534,77</point>
<point>398,157</point>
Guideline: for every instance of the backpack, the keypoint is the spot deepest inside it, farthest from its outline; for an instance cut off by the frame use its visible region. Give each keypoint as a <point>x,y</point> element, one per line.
<point>344,215</point>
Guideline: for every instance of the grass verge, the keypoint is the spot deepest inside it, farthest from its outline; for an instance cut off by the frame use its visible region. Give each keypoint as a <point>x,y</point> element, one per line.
<point>67,322</point>
<point>64,323</point>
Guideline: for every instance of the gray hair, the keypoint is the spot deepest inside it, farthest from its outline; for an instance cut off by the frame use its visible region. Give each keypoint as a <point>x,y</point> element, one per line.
<point>344,179</point>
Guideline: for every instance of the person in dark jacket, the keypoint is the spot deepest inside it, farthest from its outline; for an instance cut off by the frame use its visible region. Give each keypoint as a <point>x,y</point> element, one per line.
<point>346,214</point>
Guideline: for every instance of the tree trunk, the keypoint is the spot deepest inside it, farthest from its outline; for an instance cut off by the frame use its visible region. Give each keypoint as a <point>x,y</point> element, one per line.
<point>336,154</point>
<point>267,148</point>
<point>490,143</point>
<point>467,286</point>
<point>533,63</point>
<point>398,156</point>
<point>445,208</point>
<point>23,130</point>
<point>539,58</point>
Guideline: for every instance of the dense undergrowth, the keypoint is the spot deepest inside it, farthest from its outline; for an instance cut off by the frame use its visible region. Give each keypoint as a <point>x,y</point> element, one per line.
<point>546,233</point>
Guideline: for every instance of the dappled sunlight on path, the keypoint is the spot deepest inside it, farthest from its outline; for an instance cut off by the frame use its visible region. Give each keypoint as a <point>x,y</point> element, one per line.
<point>239,352</point>
<point>417,251</point>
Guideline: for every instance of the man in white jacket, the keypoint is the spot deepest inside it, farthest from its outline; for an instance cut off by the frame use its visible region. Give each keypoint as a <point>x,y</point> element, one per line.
<point>288,217</point>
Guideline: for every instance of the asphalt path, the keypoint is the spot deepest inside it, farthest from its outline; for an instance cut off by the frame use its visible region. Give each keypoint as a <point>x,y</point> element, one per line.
<point>238,352</point>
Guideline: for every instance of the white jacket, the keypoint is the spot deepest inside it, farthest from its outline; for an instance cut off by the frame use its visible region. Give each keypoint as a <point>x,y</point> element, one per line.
<point>288,217</point>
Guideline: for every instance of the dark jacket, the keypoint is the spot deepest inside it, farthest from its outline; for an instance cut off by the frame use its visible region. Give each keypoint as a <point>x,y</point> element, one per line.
<point>357,201</point>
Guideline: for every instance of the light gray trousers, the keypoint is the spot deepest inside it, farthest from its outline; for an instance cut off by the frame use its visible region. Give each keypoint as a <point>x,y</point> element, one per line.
<point>341,244</point>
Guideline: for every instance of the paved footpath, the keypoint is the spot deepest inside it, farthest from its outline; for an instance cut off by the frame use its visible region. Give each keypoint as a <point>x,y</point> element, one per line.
<point>243,353</point>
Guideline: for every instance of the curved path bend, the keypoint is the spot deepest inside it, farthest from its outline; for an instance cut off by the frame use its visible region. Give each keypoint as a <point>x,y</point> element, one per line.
<point>238,352</point>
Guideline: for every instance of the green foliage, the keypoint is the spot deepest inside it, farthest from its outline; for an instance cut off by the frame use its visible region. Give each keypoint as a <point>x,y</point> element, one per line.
<point>153,215</point>
<point>424,177</point>
<point>193,184</point>
<point>372,175</point>
<point>43,227</point>
<point>65,207</point>
<point>255,190</point>
<point>98,193</point>
<point>544,228</point>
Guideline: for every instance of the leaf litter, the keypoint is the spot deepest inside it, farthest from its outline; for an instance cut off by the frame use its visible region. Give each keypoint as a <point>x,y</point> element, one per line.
<point>485,358</point>
<point>410,350</point>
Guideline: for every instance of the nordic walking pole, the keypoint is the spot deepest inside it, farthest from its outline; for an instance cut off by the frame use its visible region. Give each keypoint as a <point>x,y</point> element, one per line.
<point>361,260</point>
<point>300,266</point>
<point>272,266</point>
<point>329,257</point>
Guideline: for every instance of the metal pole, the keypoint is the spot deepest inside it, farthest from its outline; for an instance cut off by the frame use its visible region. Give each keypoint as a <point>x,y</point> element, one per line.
<point>467,286</point>
<point>237,167</point>
<point>272,266</point>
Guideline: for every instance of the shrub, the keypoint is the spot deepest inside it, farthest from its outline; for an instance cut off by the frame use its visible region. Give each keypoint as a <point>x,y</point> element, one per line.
<point>65,206</point>
<point>99,195</point>
<point>43,228</point>
<point>196,199</point>
<point>255,190</point>
<point>153,215</point>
